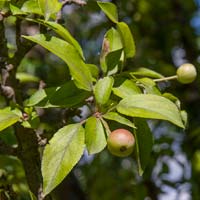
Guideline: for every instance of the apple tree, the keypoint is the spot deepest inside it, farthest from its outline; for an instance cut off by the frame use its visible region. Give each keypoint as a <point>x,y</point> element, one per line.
<point>114,94</point>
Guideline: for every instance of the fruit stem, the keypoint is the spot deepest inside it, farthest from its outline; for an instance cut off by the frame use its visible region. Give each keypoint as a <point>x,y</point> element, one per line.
<point>165,78</point>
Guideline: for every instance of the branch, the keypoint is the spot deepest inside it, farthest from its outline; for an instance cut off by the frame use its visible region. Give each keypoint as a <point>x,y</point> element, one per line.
<point>3,42</point>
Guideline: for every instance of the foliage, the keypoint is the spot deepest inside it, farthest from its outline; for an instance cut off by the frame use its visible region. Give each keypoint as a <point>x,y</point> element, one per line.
<point>112,92</point>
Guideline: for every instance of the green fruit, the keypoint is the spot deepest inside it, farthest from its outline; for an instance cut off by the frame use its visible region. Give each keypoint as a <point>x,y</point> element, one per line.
<point>121,142</point>
<point>186,73</point>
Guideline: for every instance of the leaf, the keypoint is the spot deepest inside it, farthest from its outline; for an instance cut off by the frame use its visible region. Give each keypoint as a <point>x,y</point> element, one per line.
<point>78,69</point>
<point>102,90</point>
<point>126,89</point>
<point>111,43</point>
<point>25,77</point>
<point>149,86</point>
<point>109,9</point>
<point>144,144</point>
<point>33,197</point>
<point>39,96</point>
<point>61,154</point>
<point>31,6</point>
<point>113,59</point>
<point>118,118</point>
<point>64,33</point>
<point>16,11</point>
<point>67,95</point>
<point>127,39</point>
<point>49,7</point>
<point>94,135</point>
<point>147,73</point>
<point>150,106</point>
<point>7,118</point>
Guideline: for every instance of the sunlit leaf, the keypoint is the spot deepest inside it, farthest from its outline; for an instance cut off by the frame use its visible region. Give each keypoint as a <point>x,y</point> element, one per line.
<point>7,118</point>
<point>78,69</point>
<point>61,154</point>
<point>110,10</point>
<point>127,39</point>
<point>49,7</point>
<point>150,106</point>
<point>95,136</point>
<point>118,118</point>
<point>102,90</point>
<point>126,89</point>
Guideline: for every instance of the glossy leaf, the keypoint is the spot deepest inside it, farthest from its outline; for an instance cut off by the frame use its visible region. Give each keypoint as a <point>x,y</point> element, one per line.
<point>149,86</point>
<point>7,118</point>
<point>95,136</point>
<point>111,43</point>
<point>61,154</point>
<point>112,60</point>
<point>147,73</point>
<point>102,90</point>
<point>25,77</point>
<point>126,89</point>
<point>67,95</point>
<point>64,33</point>
<point>118,118</point>
<point>39,96</point>
<point>127,39</point>
<point>150,106</point>
<point>78,69</point>
<point>144,144</point>
<point>109,9</point>
<point>31,6</point>
<point>49,7</point>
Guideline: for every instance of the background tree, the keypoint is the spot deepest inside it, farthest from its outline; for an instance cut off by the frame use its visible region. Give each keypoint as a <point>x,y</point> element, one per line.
<point>164,40</point>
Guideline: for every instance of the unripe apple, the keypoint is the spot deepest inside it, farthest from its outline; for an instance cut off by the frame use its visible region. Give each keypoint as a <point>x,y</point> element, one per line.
<point>121,142</point>
<point>186,73</point>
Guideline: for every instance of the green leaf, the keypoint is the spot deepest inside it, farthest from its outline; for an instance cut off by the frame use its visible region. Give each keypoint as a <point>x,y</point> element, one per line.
<point>95,137</point>
<point>144,144</point>
<point>118,118</point>
<point>25,77</point>
<point>61,154</point>
<point>78,69</point>
<point>33,197</point>
<point>49,7</point>
<point>67,95</point>
<point>127,39</point>
<point>64,33</point>
<point>31,6</point>
<point>150,106</point>
<point>94,70</point>
<point>113,59</point>
<point>103,89</point>
<point>111,43</point>
<point>147,73</point>
<point>7,118</point>
<point>149,86</point>
<point>109,9</point>
<point>126,89</point>
<point>16,11</point>
<point>39,96</point>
